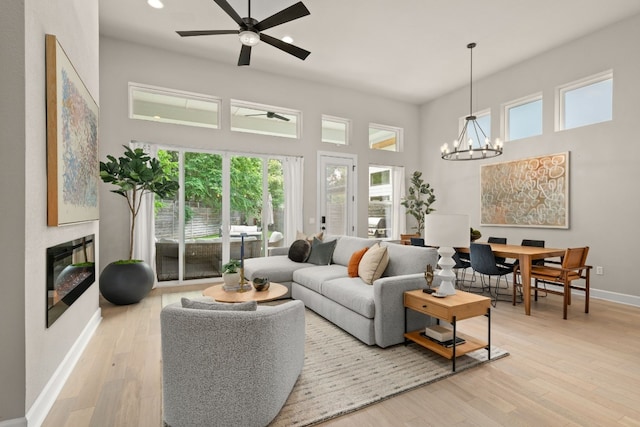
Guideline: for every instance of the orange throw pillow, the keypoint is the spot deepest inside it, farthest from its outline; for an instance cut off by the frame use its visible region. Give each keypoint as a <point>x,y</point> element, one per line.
<point>354,262</point>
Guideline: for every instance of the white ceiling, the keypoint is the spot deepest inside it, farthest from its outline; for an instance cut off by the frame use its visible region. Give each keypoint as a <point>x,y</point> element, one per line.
<point>411,50</point>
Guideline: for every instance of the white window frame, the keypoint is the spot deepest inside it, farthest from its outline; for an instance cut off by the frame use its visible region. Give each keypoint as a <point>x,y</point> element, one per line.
<point>177,94</point>
<point>504,118</point>
<point>399,136</point>
<point>265,107</point>
<point>478,114</point>
<point>346,122</point>
<point>576,84</point>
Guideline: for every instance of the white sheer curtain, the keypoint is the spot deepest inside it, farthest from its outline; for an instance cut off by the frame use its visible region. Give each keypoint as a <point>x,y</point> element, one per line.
<point>144,247</point>
<point>399,215</point>
<point>293,199</point>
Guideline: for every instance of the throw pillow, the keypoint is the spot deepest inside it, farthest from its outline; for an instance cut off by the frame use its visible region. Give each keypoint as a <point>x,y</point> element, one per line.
<point>299,250</point>
<point>321,253</point>
<point>219,306</point>
<point>301,236</point>
<point>373,263</point>
<point>354,262</point>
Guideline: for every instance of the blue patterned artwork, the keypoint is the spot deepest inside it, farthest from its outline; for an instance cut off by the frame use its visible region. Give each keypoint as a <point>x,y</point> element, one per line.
<point>531,192</point>
<point>72,142</point>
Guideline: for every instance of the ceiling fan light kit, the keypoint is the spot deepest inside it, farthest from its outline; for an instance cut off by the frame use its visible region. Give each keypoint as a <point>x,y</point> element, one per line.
<point>250,31</point>
<point>249,38</point>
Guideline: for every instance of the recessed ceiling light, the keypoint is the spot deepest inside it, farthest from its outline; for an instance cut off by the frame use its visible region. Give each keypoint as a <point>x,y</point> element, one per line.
<point>287,39</point>
<point>157,4</point>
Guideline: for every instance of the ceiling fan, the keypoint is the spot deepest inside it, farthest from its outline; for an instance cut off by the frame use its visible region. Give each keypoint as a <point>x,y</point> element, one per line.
<point>270,115</point>
<point>251,30</point>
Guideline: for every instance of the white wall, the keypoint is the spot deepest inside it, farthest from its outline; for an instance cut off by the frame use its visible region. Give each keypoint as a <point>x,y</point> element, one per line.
<point>122,62</point>
<point>12,160</point>
<point>604,203</point>
<point>31,353</point>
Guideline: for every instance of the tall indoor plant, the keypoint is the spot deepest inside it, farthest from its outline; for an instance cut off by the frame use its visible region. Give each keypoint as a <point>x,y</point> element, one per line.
<point>135,174</point>
<point>418,202</point>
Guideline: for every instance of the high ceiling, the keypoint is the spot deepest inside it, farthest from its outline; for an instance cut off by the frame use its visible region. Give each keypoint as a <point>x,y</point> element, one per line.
<point>411,50</point>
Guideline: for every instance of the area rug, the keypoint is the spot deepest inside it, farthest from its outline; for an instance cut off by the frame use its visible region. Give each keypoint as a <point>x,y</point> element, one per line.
<point>342,375</point>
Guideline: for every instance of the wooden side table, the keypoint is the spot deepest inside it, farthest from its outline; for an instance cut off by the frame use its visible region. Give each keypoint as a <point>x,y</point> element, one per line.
<point>462,305</point>
<point>275,291</point>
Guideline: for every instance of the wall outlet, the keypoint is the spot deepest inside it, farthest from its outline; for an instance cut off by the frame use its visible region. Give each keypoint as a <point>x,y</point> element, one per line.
<point>599,270</point>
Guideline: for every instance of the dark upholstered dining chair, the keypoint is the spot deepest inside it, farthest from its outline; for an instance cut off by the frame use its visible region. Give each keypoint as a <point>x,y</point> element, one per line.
<point>573,268</point>
<point>483,261</point>
<point>417,241</point>
<point>516,265</point>
<point>501,240</point>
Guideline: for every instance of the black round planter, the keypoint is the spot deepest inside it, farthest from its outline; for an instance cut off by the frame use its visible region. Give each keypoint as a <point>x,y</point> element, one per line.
<point>123,284</point>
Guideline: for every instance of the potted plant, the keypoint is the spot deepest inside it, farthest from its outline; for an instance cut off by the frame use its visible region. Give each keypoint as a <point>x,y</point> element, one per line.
<point>135,174</point>
<point>475,234</point>
<point>416,205</point>
<point>231,275</point>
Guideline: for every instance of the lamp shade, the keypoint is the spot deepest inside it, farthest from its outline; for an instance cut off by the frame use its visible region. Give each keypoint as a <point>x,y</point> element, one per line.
<point>448,230</point>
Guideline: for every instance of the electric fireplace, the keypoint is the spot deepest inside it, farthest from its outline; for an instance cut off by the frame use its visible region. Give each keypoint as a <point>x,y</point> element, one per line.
<point>70,272</point>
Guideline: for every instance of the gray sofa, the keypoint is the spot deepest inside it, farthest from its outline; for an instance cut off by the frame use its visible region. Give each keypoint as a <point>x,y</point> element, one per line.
<point>229,368</point>
<point>372,313</point>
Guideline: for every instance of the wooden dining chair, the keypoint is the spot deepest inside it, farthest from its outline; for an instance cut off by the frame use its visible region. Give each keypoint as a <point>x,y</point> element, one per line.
<point>405,239</point>
<point>573,268</point>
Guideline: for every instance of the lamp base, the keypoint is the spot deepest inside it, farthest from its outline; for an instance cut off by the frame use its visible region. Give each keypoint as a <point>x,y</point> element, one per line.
<point>447,275</point>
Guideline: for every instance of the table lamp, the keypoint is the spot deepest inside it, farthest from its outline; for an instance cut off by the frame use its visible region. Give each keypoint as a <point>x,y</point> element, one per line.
<point>447,231</point>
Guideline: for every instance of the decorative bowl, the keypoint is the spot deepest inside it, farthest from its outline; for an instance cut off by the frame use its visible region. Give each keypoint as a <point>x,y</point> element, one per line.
<point>261,283</point>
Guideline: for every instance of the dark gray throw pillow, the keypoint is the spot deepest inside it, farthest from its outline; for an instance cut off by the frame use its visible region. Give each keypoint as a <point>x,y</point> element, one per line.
<point>219,306</point>
<point>321,253</point>
<point>299,250</point>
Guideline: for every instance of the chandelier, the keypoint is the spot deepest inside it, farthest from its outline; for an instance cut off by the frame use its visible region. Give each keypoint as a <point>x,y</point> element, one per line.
<point>468,145</point>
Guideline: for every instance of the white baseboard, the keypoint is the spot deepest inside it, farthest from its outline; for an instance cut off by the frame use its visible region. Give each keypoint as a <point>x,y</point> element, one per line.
<point>16,422</point>
<point>615,297</point>
<point>47,397</point>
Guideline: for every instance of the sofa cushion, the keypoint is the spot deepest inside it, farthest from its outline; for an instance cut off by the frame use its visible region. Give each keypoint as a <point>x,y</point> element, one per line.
<point>347,245</point>
<point>278,269</point>
<point>299,250</point>
<point>218,306</point>
<point>321,253</point>
<point>373,263</point>
<point>352,293</point>
<point>354,262</point>
<point>406,259</point>
<point>313,276</point>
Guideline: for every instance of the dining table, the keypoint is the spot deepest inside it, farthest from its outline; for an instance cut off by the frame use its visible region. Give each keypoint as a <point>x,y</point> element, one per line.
<point>525,255</point>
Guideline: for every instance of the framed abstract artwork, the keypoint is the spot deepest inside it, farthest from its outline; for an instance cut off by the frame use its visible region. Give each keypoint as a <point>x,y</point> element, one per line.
<point>72,142</point>
<point>531,192</point>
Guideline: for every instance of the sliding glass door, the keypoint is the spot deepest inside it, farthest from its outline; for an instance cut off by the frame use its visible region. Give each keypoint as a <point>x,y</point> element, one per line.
<point>223,199</point>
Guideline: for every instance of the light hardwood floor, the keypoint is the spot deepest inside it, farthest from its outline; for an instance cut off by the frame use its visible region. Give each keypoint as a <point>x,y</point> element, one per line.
<point>584,371</point>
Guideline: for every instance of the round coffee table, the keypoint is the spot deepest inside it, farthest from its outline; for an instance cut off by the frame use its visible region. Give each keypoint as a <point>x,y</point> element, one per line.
<point>275,291</point>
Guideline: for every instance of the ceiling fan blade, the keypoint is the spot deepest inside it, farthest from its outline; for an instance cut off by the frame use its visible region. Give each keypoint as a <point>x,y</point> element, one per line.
<point>278,116</point>
<point>287,47</point>
<point>295,11</point>
<point>230,11</point>
<point>206,32</point>
<point>245,55</point>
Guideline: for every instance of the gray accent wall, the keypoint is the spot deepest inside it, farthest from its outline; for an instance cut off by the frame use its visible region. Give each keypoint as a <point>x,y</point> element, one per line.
<point>124,62</point>
<point>604,173</point>
<point>31,354</point>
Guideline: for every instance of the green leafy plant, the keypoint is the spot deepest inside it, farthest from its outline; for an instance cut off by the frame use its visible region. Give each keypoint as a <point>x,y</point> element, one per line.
<point>136,174</point>
<point>418,202</point>
<point>475,234</point>
<point>231,267</point>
